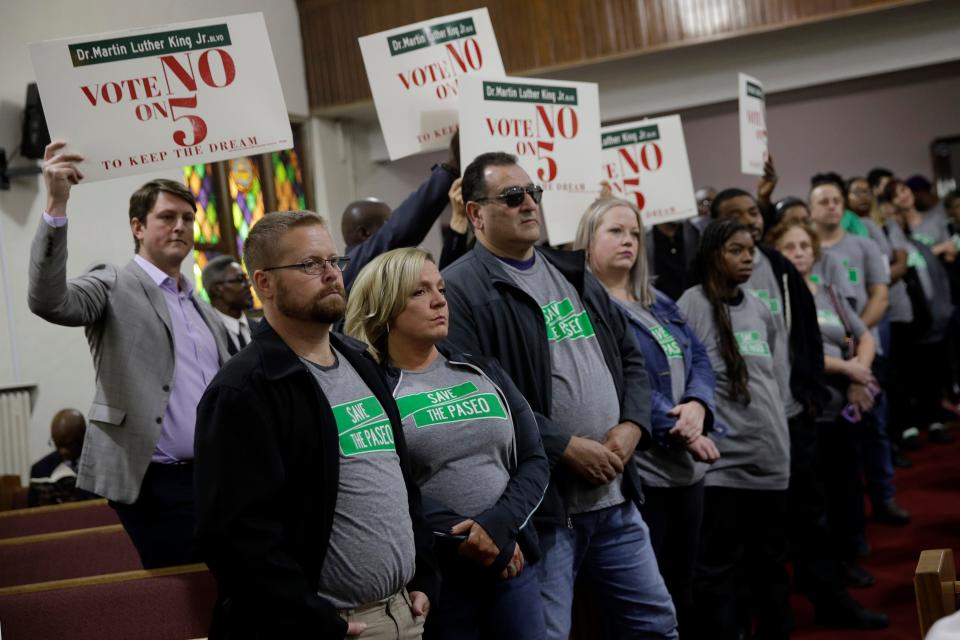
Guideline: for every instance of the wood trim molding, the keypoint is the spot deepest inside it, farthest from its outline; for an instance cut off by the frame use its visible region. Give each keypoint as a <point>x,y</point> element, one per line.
<point>107,578</point>
<point>53,508</point>
<point>60,535</point>
<point>537,37</point>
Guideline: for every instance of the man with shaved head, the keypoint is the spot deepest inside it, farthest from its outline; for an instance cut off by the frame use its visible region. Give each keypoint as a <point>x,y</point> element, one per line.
<point>53,478</point>
<point>369,227</point>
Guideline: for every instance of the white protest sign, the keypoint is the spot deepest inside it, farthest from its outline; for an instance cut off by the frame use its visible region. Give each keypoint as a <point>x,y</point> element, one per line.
<point>753,126</point>
<point>646,163</point>
<point>554,130</point>
<point>152,98</point>
<point>414,74</point>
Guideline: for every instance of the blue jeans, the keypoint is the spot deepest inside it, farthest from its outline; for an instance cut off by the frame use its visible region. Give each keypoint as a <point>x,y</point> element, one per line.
<point>611,549</point>
<point>474,606</point>
<point>873,443</point>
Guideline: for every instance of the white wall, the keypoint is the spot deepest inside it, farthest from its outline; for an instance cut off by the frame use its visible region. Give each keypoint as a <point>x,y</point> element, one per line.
<point>56,357</point>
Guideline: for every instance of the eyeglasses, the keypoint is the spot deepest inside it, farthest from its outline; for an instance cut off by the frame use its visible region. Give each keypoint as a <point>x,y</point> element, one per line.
<point>514,196</point>
<point>313,267</point>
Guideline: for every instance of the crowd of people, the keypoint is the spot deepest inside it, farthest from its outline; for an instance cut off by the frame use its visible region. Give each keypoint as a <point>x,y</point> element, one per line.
<point>405,446</point>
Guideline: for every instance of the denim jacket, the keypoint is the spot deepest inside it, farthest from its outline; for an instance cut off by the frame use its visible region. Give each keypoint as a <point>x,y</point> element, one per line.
<point>700,381</point>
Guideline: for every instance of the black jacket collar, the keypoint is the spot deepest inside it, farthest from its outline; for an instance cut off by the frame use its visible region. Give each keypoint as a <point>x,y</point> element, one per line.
<point>279,360</point>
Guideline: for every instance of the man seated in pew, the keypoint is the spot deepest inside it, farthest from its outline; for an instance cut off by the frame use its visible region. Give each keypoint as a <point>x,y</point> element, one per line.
<point>155,346</point>
<point>53,478</point>
<point>307,514</point>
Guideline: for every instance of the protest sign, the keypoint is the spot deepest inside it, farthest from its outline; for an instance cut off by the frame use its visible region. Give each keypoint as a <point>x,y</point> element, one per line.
<point>554,130</point>
<point>153,98</point>
<point>646,163</point>
<point>753,126</point>
<point>415,72</point>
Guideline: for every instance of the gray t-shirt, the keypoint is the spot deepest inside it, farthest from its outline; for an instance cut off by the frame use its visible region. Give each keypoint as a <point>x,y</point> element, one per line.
<point>763,285</point>
<point>371,555</point>
<point>660,467</point>
<point>834,342</point>
<point>933,228</point>
<point>459,433</point>
<point>829,269</point>
<point>755,453</point>
<point>899,309</point>
<point>584,397</point>
<point>865,263</point>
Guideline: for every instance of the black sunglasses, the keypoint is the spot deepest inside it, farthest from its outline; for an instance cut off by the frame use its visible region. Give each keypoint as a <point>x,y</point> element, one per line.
<point>514,196</point>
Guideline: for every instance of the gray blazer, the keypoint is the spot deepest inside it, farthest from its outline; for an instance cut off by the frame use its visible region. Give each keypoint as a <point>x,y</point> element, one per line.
<point>127,324</point>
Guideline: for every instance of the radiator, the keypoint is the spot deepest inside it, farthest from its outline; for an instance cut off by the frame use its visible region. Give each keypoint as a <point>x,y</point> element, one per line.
<point>16,407</point>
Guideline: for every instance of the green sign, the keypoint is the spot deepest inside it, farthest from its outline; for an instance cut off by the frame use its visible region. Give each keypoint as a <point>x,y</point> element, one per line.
<point>451,405</point>
<point>431,35</point>
<point>563,323</point>
<point>754,90</point>
<point>511,92</point>
<point>636,135</point>
<point>149,44</point>
<point>363,427</point>
<point>751,343</point>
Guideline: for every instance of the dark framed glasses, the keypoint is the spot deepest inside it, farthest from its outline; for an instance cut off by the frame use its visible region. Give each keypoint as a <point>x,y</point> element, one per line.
<point>313,267</point>
<point>514,196</point>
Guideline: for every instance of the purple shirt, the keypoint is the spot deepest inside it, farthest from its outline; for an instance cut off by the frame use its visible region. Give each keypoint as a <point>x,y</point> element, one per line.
<point>196,361</point>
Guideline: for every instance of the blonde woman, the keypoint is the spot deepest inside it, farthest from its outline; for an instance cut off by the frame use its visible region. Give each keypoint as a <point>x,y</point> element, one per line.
<point>474,447</point>
<point>682,393</point>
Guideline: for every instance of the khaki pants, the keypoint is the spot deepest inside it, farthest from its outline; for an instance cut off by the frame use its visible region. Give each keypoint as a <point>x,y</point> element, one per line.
<point>389,619</point>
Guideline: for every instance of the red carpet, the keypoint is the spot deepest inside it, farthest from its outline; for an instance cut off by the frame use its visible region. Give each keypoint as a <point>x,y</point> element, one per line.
<point>930,491</point>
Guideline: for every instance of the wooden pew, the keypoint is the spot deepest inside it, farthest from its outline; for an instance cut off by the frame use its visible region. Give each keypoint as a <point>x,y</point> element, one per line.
<point>66,554</point>
<point>174,603</point>
<point>57,517</point>
<point>936,587</point>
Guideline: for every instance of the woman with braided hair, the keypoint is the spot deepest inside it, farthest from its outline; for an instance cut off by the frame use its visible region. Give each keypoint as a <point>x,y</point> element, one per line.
<point>743,542</point>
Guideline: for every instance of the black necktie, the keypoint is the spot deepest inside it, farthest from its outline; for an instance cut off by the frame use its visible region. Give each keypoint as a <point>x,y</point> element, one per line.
<point>242,341</point>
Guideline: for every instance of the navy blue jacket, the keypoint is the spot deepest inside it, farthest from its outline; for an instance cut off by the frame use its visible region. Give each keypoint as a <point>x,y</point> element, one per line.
<point>408,224</point>
<point>700,379</point>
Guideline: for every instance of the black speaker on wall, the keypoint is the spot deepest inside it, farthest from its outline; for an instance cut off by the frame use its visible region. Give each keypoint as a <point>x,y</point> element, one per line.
<point>35,135</point>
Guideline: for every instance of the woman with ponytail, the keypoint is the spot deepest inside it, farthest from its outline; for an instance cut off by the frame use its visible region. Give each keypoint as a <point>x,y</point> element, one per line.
<point>743,542</point>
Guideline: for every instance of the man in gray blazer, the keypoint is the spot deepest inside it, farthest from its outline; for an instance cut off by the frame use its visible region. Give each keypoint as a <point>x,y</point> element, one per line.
<point>155,347</point>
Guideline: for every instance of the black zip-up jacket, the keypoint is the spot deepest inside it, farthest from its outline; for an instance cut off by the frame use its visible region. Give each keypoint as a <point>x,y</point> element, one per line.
<point>506,521</point>
<point>805,341</point>
<point>491,315</point>
<point>266,480</point>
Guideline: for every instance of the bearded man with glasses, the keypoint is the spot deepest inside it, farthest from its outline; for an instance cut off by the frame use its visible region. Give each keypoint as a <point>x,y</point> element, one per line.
<point>306,511</point>
<point>567,348</point>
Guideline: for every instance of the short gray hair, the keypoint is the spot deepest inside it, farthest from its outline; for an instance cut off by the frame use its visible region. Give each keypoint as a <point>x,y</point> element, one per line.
<point>213,273</point>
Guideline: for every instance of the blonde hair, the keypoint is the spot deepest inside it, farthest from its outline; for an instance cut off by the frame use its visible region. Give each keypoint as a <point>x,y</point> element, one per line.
<point>639,282</point>
<point>380,294</point>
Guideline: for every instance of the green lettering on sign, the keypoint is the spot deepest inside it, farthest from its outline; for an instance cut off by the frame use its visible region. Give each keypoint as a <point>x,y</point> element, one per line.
<point>431,35</point>
<point>149,44</point>
<point>772,303</point>
<point>363,427</point>
<point>511,92</point>
<point>563,323</point>
<point>667,342</point>
<point>827,317</point>
<point>451,405</point>
<point>636,135</point>
<point>751,343</point>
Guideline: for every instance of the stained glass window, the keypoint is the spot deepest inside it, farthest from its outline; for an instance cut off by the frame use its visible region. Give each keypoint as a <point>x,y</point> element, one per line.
<point>206,226</point>
<point>288,180</point>
<point>246,197</point>
<point>200,260</point>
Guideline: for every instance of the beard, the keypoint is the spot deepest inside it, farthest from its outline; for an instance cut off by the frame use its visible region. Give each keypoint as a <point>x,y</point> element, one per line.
<point>326,307</point>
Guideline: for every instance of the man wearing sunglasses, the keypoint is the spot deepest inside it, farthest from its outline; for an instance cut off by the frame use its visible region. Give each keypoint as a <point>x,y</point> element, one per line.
<point>306,511</point>
<point>229,291</point>
<point>553,328</point>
